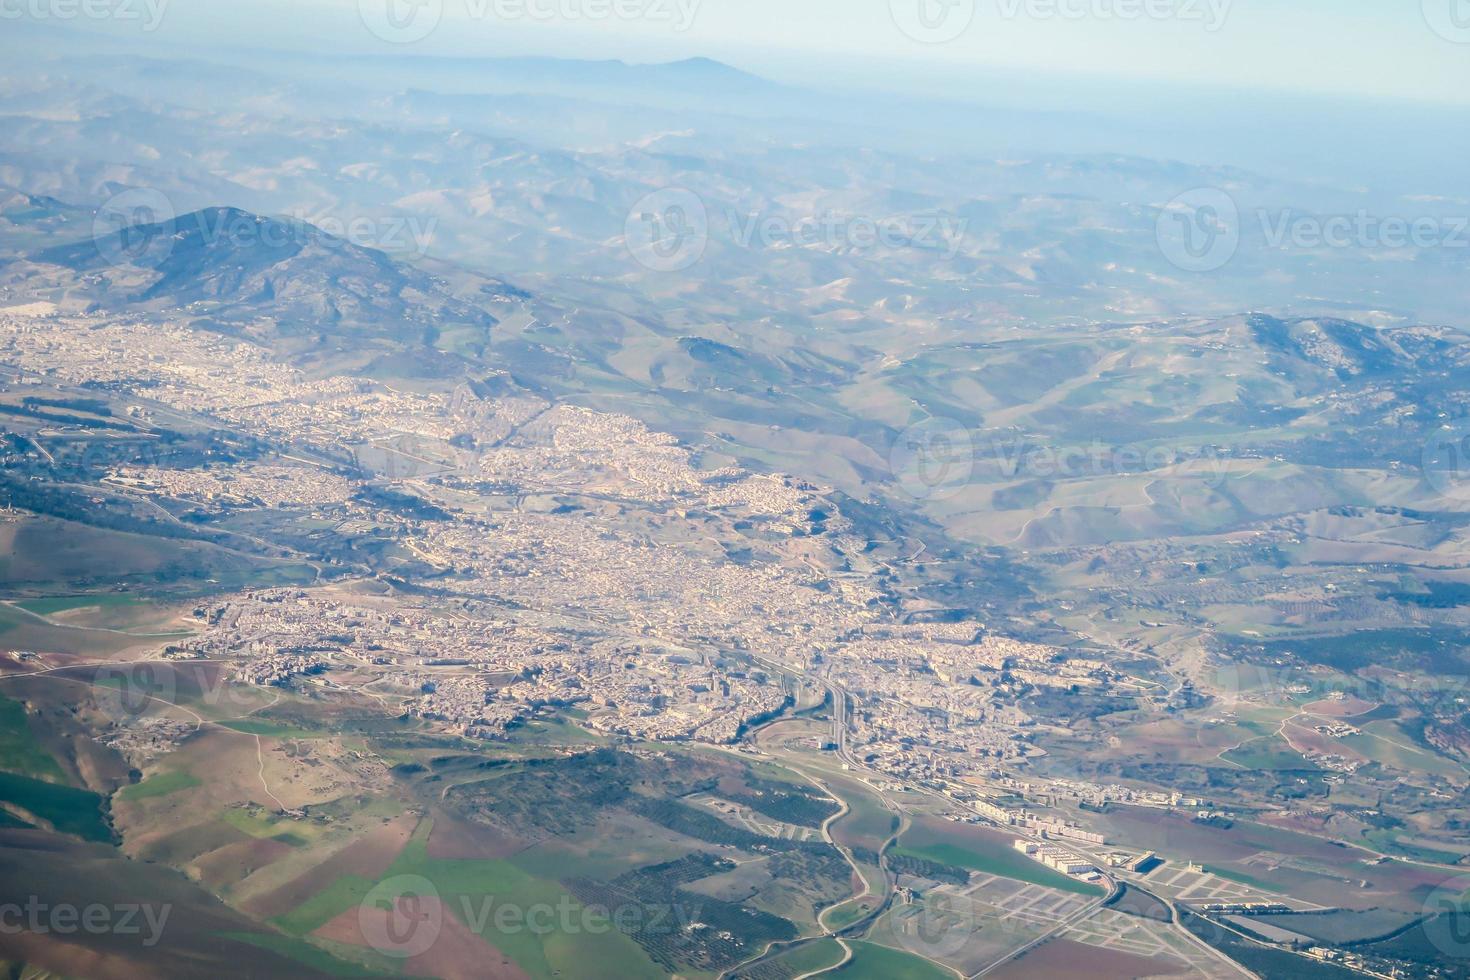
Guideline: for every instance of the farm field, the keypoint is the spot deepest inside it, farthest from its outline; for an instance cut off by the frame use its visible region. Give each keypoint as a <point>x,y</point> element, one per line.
<point>811,958</point>
<point>129,612</point>
<point>686,500</point>
<point>985,851</point>
<point>1280,861</point>
<point>69,810</point>
<point>1062,959</point>
<point>873,962</point>
<point>161,784</point>
<point>22,630</point>
<point>1345,927</point>
<point>20,752</point>
<point>471,891</point>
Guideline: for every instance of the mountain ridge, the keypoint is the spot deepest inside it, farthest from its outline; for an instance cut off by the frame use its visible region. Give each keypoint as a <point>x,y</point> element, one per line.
<point>284,283</point>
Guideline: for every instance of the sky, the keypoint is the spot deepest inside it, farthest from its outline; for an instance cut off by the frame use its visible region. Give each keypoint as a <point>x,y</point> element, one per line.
<point>1387,49</point>
<point>1391,49</point>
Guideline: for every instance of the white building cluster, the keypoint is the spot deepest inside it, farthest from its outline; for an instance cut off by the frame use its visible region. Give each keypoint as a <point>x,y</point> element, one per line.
<point>1056,858</point>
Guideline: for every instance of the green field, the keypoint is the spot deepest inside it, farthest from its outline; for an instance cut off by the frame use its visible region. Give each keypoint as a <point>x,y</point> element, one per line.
<point>557,732</point>
<point>24,630</point>
<point>342,895</point>
<point>472,884</point>
<point>821,955</point>
<point>964,848</point>
<point>69,810</point>
<point>57,604</point>
<point>55,556</point>
<point>122,612</point>
<point>472,890</point>
<point>163,784</point>
<point>1023,869</point>
<point>1268,754</point>
<point>1388,744</point>
<point>847,913</point>
<point>262,827</point>
<point>269,729</point>
<point>1388,842</point>
<point>1337,928</point>
<point>19,750</point>
<point>868,824</point>
<point>873,962</point>
<point>593,857</point>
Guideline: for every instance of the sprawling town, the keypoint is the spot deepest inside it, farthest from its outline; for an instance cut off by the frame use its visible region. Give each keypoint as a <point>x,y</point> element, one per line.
<point>640,619</point>
<point>486,559</point>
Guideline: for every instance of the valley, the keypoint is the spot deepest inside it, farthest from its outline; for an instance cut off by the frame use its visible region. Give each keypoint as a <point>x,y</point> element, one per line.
<point>537,518</point>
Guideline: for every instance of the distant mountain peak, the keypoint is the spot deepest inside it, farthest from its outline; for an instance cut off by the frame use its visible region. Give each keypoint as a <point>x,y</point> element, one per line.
<point>236,266</point>
<point>710,71</point>
<point>188,246</point>
<point>704,64</point>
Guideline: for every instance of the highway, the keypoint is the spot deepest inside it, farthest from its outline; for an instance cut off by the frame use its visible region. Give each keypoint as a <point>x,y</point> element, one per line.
<point>841,708</point>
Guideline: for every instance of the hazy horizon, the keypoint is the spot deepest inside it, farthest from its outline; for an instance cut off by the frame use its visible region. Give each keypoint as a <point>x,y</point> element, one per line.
<point>1348,50</point>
